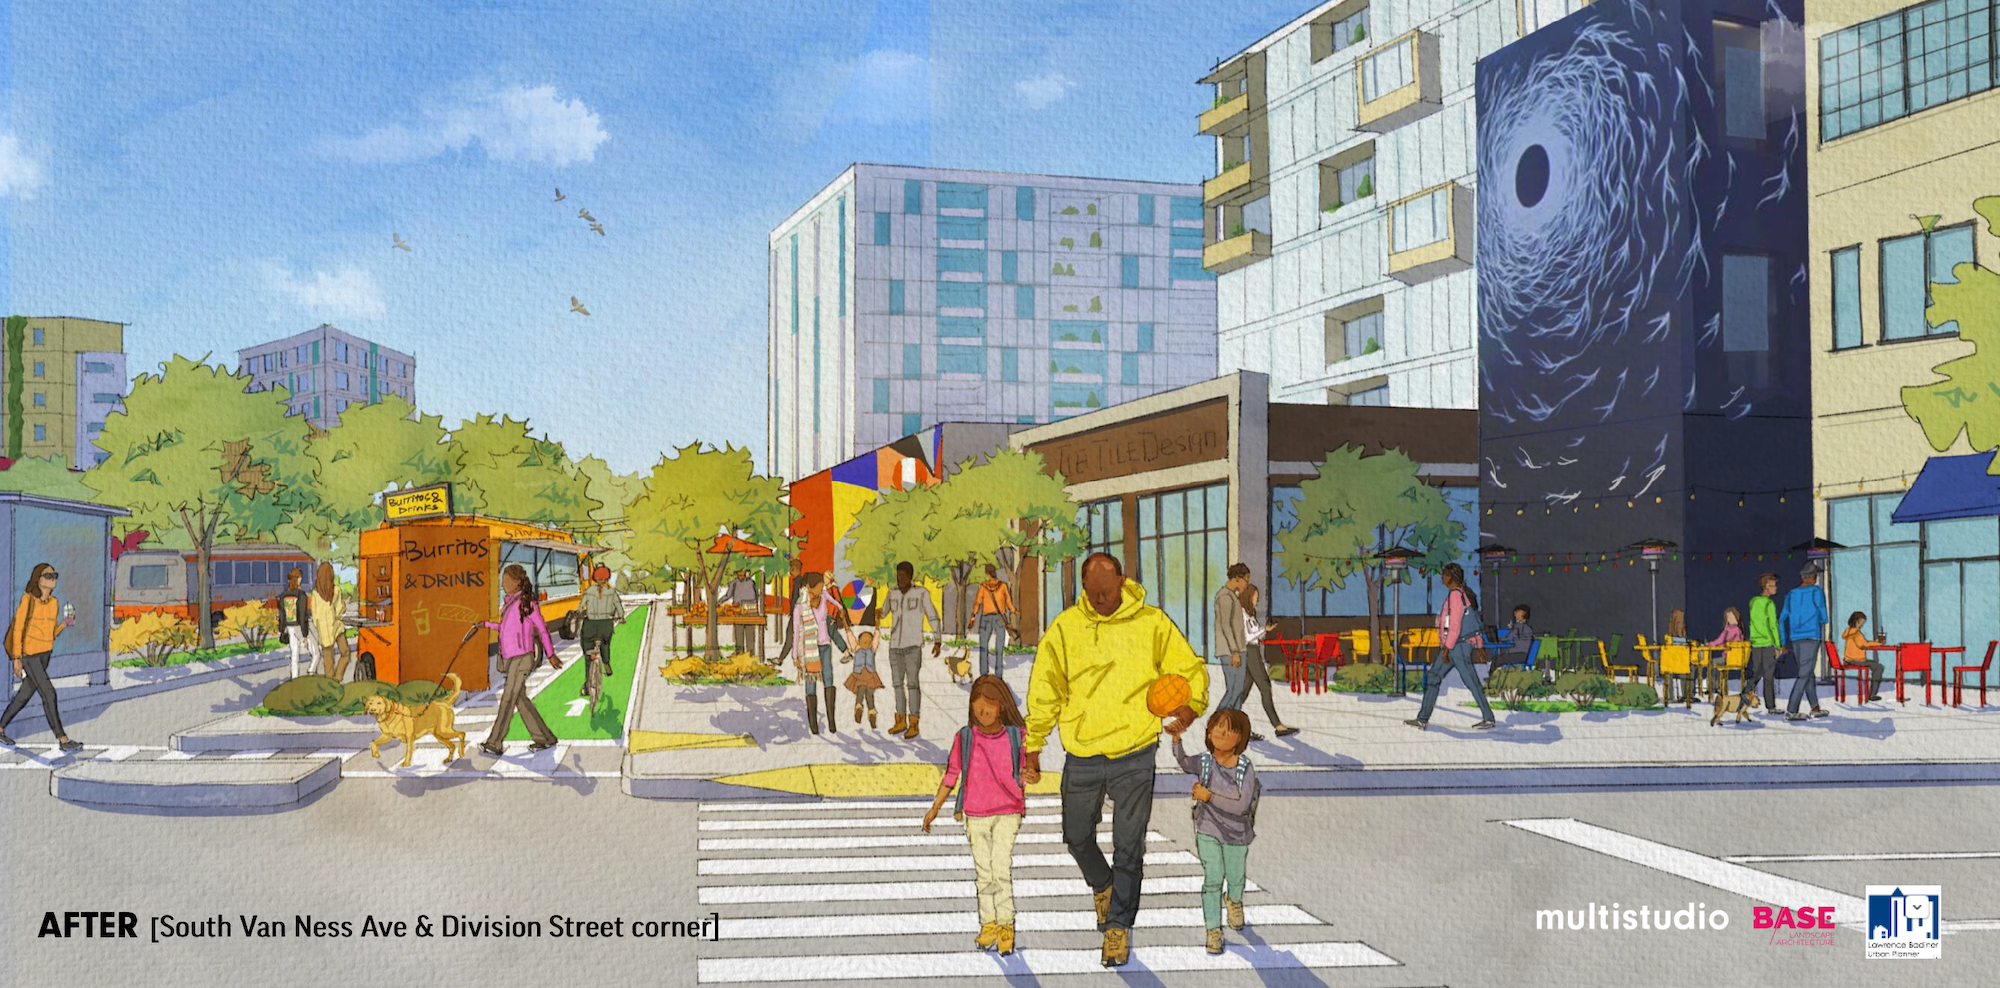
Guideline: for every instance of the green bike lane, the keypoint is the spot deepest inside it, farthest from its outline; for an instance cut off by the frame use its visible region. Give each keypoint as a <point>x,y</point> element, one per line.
<point>561,700</point>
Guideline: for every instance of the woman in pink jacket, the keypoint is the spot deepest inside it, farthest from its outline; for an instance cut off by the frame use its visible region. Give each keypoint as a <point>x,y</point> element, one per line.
<point>521,628</point>
<point>1458,634</point>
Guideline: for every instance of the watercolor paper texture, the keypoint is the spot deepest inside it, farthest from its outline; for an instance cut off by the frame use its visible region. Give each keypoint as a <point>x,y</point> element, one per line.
<point>1386,493</point>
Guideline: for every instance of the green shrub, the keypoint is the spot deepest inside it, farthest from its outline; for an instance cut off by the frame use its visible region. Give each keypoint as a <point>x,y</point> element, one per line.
<point>1583,688</point>
<point>417,691</point>
<point>353,693</point>
<point>1515,686</point>
<point>1364,677</point>
<point>304,696</point>
<point>1634,695</point>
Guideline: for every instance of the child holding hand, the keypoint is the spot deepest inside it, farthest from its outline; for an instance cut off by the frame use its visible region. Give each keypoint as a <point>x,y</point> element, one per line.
<point>988,759</point>
<point>863,681</point>
<point>1225,814</point>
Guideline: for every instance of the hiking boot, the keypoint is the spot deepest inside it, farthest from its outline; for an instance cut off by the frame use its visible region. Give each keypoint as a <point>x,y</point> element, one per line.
<point>1102,897</point>
<point>1117,946</point>
<point>871,718</point>
<point>1005,944</point>
<point>1418,724</point>
<point>831,724</point>
<point>989,934</point>
<point>896,726</point>
<point>911,734</point>
<point>1233,909</point>
<point>1214,942</point>
<point>857,715</point>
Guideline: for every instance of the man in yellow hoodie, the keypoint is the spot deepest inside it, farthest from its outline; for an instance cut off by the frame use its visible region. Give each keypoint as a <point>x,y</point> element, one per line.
<point>1096,663</point>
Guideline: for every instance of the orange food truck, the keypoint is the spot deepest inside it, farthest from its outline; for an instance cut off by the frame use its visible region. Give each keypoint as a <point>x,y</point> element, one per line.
<point>427,574</point>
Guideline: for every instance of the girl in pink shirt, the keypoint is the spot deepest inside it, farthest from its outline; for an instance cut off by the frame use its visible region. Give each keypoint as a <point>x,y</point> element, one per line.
<point>987,754</point>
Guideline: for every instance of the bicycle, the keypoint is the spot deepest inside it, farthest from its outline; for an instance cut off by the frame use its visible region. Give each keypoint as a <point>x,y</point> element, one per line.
<point>593,673</point>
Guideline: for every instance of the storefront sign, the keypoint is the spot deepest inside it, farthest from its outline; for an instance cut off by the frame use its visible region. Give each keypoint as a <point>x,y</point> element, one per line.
<point>1183,437</point>
<point>419,502</point>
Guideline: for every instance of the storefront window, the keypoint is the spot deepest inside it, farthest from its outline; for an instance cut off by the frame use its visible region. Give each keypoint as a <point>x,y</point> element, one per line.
<point>1103,524</point>
<point>1421,595</point>
<point>1937,582</point>
<point>1183,555</point>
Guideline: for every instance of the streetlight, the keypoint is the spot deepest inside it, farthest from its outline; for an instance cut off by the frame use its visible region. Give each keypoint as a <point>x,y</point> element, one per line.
<point>1394,561</point>
<point>1492,553</point>
<point>1651,550</point>
<point>1820,551</point>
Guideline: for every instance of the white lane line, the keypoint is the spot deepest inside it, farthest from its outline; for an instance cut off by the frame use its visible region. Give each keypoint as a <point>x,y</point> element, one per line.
<point>253,755</point>
<point>1024,888</point>
<point>857,823</point>
<point>914,924</point>
<point>1033,963</point>
<point>915,862</point>
<point>1893,856</point>
<point>464,773</point>
<point>876,841</point>
<point>341,753</point>
<point>834,805</point>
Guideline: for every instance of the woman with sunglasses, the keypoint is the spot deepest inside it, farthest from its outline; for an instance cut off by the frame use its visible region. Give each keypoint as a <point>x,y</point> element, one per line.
<point>31,642</point>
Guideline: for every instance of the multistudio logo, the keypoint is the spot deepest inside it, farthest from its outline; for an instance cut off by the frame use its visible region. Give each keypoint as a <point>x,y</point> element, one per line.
<point>1903,922</point>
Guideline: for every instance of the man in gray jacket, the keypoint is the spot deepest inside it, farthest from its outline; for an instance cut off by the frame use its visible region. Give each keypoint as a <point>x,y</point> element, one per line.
<point>908,607</point>
<point>743,592</point>
<point>1230,641</point>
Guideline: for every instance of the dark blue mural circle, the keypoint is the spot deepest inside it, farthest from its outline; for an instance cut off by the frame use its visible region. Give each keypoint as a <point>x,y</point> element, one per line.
<point>1531,175</point>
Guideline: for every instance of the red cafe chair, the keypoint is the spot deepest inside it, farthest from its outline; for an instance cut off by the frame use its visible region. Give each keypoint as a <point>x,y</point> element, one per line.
<point>1840,671</point>
<point>1958,674</point>
<point>1912,657</point>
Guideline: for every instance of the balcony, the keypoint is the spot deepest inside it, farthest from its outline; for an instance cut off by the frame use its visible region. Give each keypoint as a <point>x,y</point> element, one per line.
<point>1398,83</point>
<point>1239,251</point>
<point>1231,182</point>
<point>1430,233</point>
<point>1226,116</point>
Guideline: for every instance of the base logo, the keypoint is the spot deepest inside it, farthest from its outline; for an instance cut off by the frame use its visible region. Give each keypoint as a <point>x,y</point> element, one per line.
<point>1903,922</point>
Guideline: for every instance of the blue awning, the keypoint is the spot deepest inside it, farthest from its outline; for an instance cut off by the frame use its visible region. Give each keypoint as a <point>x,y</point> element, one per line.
<point>1951,487</point>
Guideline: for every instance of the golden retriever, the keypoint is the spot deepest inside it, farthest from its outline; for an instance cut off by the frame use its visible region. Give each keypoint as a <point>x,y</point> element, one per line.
<point>400,723</point>
<point>960,667</point>
<point>1734,703</point>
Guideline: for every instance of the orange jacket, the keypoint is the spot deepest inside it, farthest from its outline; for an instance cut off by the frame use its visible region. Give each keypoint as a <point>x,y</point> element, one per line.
<point>35,626</point>
<point>993,598</point>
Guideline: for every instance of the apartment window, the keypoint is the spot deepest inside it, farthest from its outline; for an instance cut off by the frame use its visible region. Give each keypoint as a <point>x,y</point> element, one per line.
<point>1346,178</point>
<point>969,326</point>
<point>340,380</point>
<point>106,398</point>
<point>315,351</point>
<point>1908,61</point>
<point>961,295</point>
<point>1010,265</point>
<point>1908,269</point>
<point>1145,337</point>
<point>913,423</point>
<point>1188,269</point>
<point>1423,220</point>
<point>1024,302</point>
<point>1129,371</point>
<point>1846,298</point>
<point>1359,336</point>
<point>39,366</point>
<point>895,298</point>
<point>913,196</point>
<point>1024,203</point>
<point>94,428</point>
<point>1374,397</point>
<point>1186,208</point>
<point>1537,14</point>
<point>1387,70</point>
<point>961,228</point>
<point>97,367</point>
<point>41,400</point>
<point>1010,364</point>
<point>39,338</point>
<point>913,361</point>
<point>1340,28</point>
<point>962,360</point>
<point>881,394</point>
<point>339,352</point>
<point>966,259</point>
<point>1739,56</point>
<point>1185,238</point>
<point>1128,266</point>
<point>843,256</point>
<point>1145,210</point>
<point>1746,303</point>
<point>284,360</point>
<point>41,432</point>
<point>340,406</point>
<point>881,229</point>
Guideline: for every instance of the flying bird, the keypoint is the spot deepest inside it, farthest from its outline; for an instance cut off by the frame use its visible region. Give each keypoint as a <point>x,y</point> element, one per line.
<point>559,196</point>
<point>401,244</point>
<point>576,306</point>
<point>599,227</point>
<point>585,213</point>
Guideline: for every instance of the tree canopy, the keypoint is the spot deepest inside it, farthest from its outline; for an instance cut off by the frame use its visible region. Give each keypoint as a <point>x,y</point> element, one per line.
<point>1967,401</point>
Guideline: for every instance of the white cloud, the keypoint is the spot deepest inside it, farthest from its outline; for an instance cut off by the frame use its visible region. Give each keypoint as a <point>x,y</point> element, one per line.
<point>878,87</point>
<point>1043,90</point>
<point>20,171</point>
<point>510,123</point>
<point>346,292</point>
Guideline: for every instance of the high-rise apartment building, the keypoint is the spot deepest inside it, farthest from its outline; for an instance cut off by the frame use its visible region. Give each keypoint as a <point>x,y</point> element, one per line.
<point>902,297</point>
<point>62,376</point>
<point>326,370</point>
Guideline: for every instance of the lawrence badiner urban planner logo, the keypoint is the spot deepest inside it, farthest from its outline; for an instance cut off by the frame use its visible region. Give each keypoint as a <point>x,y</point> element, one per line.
<point>1903,922</point>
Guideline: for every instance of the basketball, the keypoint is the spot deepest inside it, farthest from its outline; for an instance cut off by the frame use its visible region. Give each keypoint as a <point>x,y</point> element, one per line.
<point>1167,694</point>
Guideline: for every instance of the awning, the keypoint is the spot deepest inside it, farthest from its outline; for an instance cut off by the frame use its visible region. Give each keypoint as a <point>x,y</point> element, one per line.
<point>573,548</point>
<point>1951,487</point>
<point>730,544</point>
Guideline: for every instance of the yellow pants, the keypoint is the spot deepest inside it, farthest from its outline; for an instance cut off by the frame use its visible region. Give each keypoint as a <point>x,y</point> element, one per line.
<point>993,864</point>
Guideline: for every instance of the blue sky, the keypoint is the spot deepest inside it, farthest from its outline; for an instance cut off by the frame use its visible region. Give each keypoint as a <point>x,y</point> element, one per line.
<point>216,181</point>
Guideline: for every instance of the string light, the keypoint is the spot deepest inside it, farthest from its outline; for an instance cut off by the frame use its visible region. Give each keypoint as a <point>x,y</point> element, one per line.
<point>1739,500</point>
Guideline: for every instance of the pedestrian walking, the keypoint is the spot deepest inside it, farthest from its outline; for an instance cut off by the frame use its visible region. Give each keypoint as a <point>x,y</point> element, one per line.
<point>749,599</point>
<point>329,606</point>
<point>1764,644</point>
<point>521,629</point>
<point>1458,635</point>
<point>1092,675</point>
<point>295,623</point>
<point>818,633</point>
<point>39,619</point>
<point>1254,632</point>
<point>1228,632</point>
<point>1225,815</point>
<point>863,681</point>
<point>908,607</point>
<point>989,768</point>
<point>1802,624</point>
<point>992,611</point>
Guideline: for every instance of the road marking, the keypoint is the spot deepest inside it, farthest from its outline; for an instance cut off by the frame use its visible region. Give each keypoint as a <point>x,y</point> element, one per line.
<point>253,755</point>
<point>914,924</point>
<point>823,806</point>
<point>578,706</point>
<point>1905,856</point>
<point>1024,888</point>
<point>175,756</point>
<point>856,823</point>
<point>467,773</point>
<point>916,862</point>
<point>116,753</point>
<point>1032,963</point>
<point>852,843</point>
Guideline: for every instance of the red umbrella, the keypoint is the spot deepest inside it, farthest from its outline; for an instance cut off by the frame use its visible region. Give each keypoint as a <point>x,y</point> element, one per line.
<point>725,544</point>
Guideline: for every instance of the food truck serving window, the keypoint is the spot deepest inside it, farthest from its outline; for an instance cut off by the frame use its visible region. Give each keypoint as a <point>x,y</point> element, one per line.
<point>555,571</point>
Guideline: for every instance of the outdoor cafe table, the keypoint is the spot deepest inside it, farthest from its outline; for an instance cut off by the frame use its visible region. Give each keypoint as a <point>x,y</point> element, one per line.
<point>1892,668</point>
<point>1572,651</point>
<point>1701,663</point>
<point>1294,650</point>
<point>689,620</point>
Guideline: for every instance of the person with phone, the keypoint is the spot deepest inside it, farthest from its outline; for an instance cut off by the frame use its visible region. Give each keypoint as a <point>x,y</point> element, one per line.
<point>31,642</point>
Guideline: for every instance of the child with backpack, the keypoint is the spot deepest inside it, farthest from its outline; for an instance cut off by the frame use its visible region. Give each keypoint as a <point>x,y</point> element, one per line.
<point>1225,817</point>
<point>987,754</point>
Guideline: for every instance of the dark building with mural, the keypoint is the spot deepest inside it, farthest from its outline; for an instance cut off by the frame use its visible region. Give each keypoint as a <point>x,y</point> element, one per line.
<point>1643,309</point>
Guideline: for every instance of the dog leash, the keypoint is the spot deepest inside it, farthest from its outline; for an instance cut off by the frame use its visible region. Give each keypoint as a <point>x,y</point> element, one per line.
<point>441,676</point>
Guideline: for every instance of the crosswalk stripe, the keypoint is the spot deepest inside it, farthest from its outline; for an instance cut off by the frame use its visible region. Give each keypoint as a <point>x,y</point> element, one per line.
<point>818,806</point>
<point>856,823</point>
<point>855,843</point>
<point>1032,962</point>
<point>916,862</point>
<point>1024,888</point>
<point>175,756</point>
<point>917,924</point>
<point>116,753</point>
<point>251,756</point>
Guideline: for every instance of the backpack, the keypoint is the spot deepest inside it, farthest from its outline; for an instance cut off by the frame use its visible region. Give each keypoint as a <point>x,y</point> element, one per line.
<point>964,747</point>
<point>1242,766</point>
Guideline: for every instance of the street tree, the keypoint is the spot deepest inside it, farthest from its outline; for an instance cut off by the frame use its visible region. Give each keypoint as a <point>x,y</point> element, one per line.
<point>508,472</point>
<point>1358,507</point>
<point>1013,501</point>
<point>48,476</point>
<point>691,498</point>
<point>384,446</point>
<point>195,454</point>
<point>891,529</point>
<point>614,493</point>
<point>1967,401</point>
